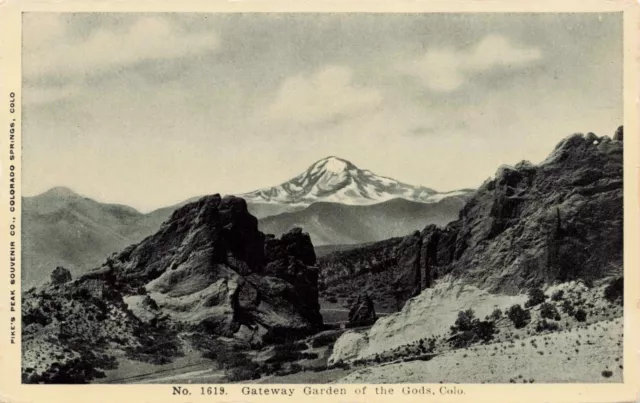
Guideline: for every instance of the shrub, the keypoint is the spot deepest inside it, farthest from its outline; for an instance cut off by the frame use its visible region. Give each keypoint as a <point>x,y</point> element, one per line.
<point>341,364</point>
<point>536,297</point>
<point>485,330</point>
<point>467,329</point>
<point>580,315</point>
<point>614,291</point>
<point>518,316</point>
<point>496,314</point>
<point>242,374</point>
<point>464,322</point>
<point>607,373</point>
<point>568,308</point>
<point>557,296</point>
<point>295,368</point>
<point>549,311</point>
<point>544,325</point>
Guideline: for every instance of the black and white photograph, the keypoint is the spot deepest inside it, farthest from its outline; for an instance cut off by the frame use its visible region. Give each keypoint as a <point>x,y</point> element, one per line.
<point>324,199</point>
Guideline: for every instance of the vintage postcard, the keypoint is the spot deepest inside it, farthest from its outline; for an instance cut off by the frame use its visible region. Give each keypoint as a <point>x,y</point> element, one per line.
<point>338,201</point>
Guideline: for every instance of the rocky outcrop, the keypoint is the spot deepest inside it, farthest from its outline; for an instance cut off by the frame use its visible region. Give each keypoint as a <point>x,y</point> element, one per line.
<point>362,312</point>
<point>209,267</point>
<point>619,134</point>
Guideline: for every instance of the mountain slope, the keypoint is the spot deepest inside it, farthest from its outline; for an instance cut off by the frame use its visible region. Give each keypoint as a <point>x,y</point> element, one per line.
<point>60,227</point>
<point>336,180</point>
<point>333,223</point>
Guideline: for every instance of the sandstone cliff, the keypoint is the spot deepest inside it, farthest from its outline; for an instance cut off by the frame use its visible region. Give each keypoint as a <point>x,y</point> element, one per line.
<point>560,220</point>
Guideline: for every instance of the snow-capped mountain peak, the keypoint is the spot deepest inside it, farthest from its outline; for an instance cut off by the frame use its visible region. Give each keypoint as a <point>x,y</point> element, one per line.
<point>332,164</point>
<point>337,180</point>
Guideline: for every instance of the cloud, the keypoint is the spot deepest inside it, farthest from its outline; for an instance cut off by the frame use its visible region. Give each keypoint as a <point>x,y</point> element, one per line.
<point>40,95</point>
<point>328,95</point>
<point>446,69</point>
<point>49,48</point>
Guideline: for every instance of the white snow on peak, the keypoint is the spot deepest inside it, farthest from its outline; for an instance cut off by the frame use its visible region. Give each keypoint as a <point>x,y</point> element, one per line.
<point>334,179</point>
<point>335,165</point>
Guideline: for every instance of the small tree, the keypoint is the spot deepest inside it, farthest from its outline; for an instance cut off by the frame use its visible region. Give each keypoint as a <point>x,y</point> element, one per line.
<point>567,307</point>
<point>549,311</point>
<point>485,330</point>
<point>468,329</point>
<point>518,316</point>
<point>544,325</point>
<point>536,297</point>
<point>496,314</point>
<point>464,322</point>
<point>580,315</point>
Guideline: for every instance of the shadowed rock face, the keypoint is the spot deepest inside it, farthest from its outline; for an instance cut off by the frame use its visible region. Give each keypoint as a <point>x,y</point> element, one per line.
<point>362,311</point>
<point>532,224</point>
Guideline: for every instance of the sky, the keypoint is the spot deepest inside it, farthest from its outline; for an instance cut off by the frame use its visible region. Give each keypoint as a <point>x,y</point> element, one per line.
<point>151,109</point>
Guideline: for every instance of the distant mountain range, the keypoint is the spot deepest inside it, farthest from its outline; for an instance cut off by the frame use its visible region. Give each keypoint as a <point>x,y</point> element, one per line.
<point>333,200</point>
<point>335,223</point>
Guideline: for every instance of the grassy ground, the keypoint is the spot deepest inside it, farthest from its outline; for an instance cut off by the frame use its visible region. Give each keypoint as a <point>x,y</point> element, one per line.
<point>130,371</point>
<point>590,353</point>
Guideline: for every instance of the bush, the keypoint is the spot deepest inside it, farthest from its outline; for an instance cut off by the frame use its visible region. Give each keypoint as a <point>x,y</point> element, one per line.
<point>242,374</point>
<point>464,322</point>
<point>485,330</point>
<point>341,364</point>
<point>580,315</point>
<point>549,311</point>
<point>567,307</point>
<point>614,291</point>
<point>544,325</point>
<point>467,329</point>
<point>295,368</point>
<point>557,296</point>
<point>518,316</point>
<point>607,373</point>
<point>496,314</point>
<point>536,297</point>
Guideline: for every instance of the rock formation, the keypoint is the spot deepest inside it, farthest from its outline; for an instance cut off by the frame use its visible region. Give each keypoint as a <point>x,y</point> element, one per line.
<point>208,270</point>
<point>362,312</point>
<point>560,220</point>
